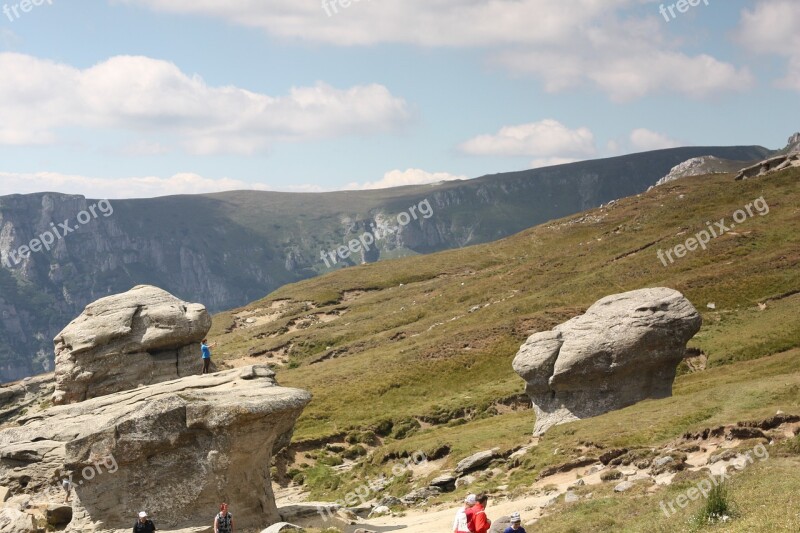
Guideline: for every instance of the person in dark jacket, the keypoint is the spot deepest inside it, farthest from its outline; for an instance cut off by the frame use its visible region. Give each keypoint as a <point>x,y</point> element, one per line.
<point>223,522</point>
<point>143,524</point>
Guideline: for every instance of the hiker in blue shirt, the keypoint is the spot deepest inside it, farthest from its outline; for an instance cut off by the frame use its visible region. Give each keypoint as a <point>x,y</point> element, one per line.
<point>206,349</point>
<point>516,525</point>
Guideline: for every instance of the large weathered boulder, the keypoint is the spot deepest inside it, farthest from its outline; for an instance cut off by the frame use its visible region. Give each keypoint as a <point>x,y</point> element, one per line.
<point>171,449</point>
<point>624,349</point>
<point>140,337</point>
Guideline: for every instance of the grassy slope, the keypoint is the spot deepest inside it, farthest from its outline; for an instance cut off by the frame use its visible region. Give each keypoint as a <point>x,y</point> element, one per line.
<point>416,350</point>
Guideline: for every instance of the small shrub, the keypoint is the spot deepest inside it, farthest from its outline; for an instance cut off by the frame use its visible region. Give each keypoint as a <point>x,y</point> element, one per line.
<point>611,475</point>
<point>384,428</point>
<point>792,446</point>
<point>354,452</point>
<point>330,460</point>
<point>717,507</point>
<point>405,428</point>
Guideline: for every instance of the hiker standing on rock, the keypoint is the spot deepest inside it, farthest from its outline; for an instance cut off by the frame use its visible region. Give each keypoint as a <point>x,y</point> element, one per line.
<point>481,521</point>
<point>143,524</point>
<point>223,522</point>
<point>206,349</point>
<point>461,522</point>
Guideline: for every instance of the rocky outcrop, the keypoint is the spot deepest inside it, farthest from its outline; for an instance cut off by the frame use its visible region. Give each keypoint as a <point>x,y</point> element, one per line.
<point>171,449</point>
<point>140,337</point>
<point>698,166</point>
<point>624,349</point>
<point>768,166</point>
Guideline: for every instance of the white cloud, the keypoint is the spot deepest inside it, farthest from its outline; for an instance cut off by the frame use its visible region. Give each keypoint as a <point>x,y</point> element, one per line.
<point>546,140</point>
<point>411,176</point>
<point>186,183</point>
<point>154,97</point>
<point>771,27</point>
<point>645,140</point>
<point>606,44</point>
<point>134,187</point>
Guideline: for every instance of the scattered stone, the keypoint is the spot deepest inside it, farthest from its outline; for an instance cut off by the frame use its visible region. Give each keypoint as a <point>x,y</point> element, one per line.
<point>15,521</point>
<point>281,526</point>
<point>380,510</point>
<point>662,461</point>
<point>476,461</point>
<point>389,501</point>
<point>622,487</point>
<point>465,481</point>
<point>446,482</point>
<point>420,495</point>
<point>623,350</point>
<point>5,494</point>
<point>361,530</point>
<point>571,497</point>
<point>578,483</point>
<point>724,456</point>
<point>299,511</point>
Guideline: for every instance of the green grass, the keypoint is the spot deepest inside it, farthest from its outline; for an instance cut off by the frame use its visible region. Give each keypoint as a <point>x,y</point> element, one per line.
<point>433,337</point>
<point>415,348</point>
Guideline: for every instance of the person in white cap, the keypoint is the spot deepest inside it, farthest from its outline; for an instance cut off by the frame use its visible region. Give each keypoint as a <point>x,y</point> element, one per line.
<point>516,525</point>
<point>143,524</point>
<point>461,522</point>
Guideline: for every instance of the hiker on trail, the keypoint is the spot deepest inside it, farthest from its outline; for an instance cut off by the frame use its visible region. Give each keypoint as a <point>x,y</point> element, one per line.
<point>481,521</point>
<point>223,522</point>
<point>143,524</point>
<point>516,525</point>
<point>461,524</point>
<point>206,349</point>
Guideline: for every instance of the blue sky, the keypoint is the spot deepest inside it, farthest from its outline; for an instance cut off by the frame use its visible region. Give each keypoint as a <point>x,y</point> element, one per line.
<point>125,98</point>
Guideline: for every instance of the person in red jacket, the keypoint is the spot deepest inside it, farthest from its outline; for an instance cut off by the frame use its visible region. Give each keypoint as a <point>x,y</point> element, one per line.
<point>482,522</point>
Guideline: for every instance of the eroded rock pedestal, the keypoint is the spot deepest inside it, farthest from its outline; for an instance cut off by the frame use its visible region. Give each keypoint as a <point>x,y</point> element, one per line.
<point>140,337</point>
<point>174,449</point>
<point>623,350</point>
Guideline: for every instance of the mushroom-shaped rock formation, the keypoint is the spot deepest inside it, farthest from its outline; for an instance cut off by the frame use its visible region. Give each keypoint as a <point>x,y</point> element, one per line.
<point>624,349</point>
<point>172,449</point>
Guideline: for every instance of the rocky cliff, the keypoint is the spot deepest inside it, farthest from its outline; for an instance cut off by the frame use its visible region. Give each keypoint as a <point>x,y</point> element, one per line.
<point>232,248</point>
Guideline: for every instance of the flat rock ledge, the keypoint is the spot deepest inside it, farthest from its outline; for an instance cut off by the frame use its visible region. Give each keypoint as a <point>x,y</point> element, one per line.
<point>170,449</point>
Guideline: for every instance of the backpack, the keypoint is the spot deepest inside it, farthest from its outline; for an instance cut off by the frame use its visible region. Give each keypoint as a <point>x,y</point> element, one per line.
<point>224,523</point>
